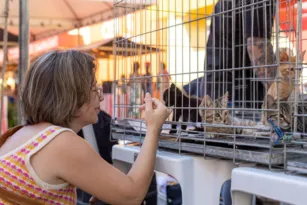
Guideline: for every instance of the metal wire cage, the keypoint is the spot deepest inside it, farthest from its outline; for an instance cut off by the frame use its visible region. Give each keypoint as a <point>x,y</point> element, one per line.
<point>231,71</point>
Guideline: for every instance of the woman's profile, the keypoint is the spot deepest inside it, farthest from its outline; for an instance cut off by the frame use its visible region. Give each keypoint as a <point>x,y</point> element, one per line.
<point>45,160</point>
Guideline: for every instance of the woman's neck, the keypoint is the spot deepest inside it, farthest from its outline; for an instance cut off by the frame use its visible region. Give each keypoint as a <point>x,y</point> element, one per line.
<point>75,126</point>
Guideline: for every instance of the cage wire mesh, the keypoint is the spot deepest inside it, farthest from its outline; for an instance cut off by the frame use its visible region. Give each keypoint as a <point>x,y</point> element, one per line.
<point>231,71</point>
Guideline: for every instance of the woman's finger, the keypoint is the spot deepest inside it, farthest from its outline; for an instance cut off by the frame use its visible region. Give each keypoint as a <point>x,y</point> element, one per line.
<point>148,102</point>
<point>142,107</point>
<point>158,103</point>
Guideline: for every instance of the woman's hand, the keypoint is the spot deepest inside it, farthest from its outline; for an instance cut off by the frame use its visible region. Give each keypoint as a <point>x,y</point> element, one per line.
<point>155,112</point>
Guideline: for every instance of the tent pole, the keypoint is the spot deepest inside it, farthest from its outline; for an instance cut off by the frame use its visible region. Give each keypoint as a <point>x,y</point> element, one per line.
<point>23,41</point>
<point>5,39</point>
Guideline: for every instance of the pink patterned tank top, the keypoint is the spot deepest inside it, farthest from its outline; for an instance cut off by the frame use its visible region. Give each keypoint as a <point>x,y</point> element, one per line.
<point>17,174</point>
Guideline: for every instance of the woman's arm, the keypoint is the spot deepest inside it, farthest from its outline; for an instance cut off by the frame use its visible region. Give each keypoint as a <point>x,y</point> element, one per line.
<point>77,163</point>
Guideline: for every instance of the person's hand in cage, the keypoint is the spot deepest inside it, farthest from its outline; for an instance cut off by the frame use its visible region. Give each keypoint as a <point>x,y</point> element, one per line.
<point>155,112</point>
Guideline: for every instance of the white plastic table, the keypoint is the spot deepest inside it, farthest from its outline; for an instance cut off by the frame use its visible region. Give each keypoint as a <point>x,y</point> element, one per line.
<point>200,179</point>
<point>286,188</point>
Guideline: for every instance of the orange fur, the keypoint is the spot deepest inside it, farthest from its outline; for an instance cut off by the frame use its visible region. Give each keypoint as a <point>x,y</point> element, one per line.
<point>287,76</point>
<point>286,83</point>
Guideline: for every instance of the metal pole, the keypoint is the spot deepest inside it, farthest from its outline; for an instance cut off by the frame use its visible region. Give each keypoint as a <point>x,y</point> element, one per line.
<point>5,34</point>
<point>298,59</point>
<point>23,47</point>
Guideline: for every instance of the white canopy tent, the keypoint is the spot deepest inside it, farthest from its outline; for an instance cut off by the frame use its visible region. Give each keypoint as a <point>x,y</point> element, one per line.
<point>49,17</point>
<point>35,19</point>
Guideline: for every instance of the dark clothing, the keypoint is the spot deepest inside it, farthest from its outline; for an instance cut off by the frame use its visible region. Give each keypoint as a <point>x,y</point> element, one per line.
<point>225,194</point>
<point>227,42</point>
<point>102,132</point>
<point>174,194</point>
<point>147,83</point>
<point>151,197</point>
<point>193,88</point>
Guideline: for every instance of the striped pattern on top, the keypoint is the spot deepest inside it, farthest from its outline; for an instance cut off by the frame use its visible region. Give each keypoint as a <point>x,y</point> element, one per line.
<point>18,176</point>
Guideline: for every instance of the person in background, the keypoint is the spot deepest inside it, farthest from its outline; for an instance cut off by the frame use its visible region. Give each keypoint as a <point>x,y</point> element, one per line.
<point>59,97</point>
<point>147,80</point>
<point>12,106</point>
<point>164,79</point>
<point>135,91</point>
<point>123,84</point>
<point>239,42</point>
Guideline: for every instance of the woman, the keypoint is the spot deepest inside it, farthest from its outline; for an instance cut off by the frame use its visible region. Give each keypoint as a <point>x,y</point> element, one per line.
<point>135,91</point>
<point>43,162</point>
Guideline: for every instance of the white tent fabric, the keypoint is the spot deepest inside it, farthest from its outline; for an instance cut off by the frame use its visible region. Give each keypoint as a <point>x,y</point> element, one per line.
<point>49,17</point>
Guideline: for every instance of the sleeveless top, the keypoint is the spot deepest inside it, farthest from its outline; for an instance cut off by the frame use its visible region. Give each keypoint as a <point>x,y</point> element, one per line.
<point>18,176</point>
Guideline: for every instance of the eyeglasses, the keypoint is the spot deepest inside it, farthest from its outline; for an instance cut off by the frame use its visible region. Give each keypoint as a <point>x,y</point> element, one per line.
<point>98,90</point>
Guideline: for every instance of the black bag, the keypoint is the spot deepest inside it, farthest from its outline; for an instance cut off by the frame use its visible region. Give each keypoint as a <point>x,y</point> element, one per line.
<point>174,194</point>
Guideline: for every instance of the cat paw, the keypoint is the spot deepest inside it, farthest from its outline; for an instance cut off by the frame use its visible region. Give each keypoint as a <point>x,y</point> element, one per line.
<point>261,134</point>
<point>210,136</point>
<point>239,131</point>
<point>190,128</point>
<point>248,132</point>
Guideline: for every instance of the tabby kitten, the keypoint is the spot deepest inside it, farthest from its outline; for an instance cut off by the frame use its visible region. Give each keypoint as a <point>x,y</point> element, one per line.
<point>221,116</point>
<point>173,96</point>
<point>286,84</point>
<point>214,116</point>
<point>285,115</point>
